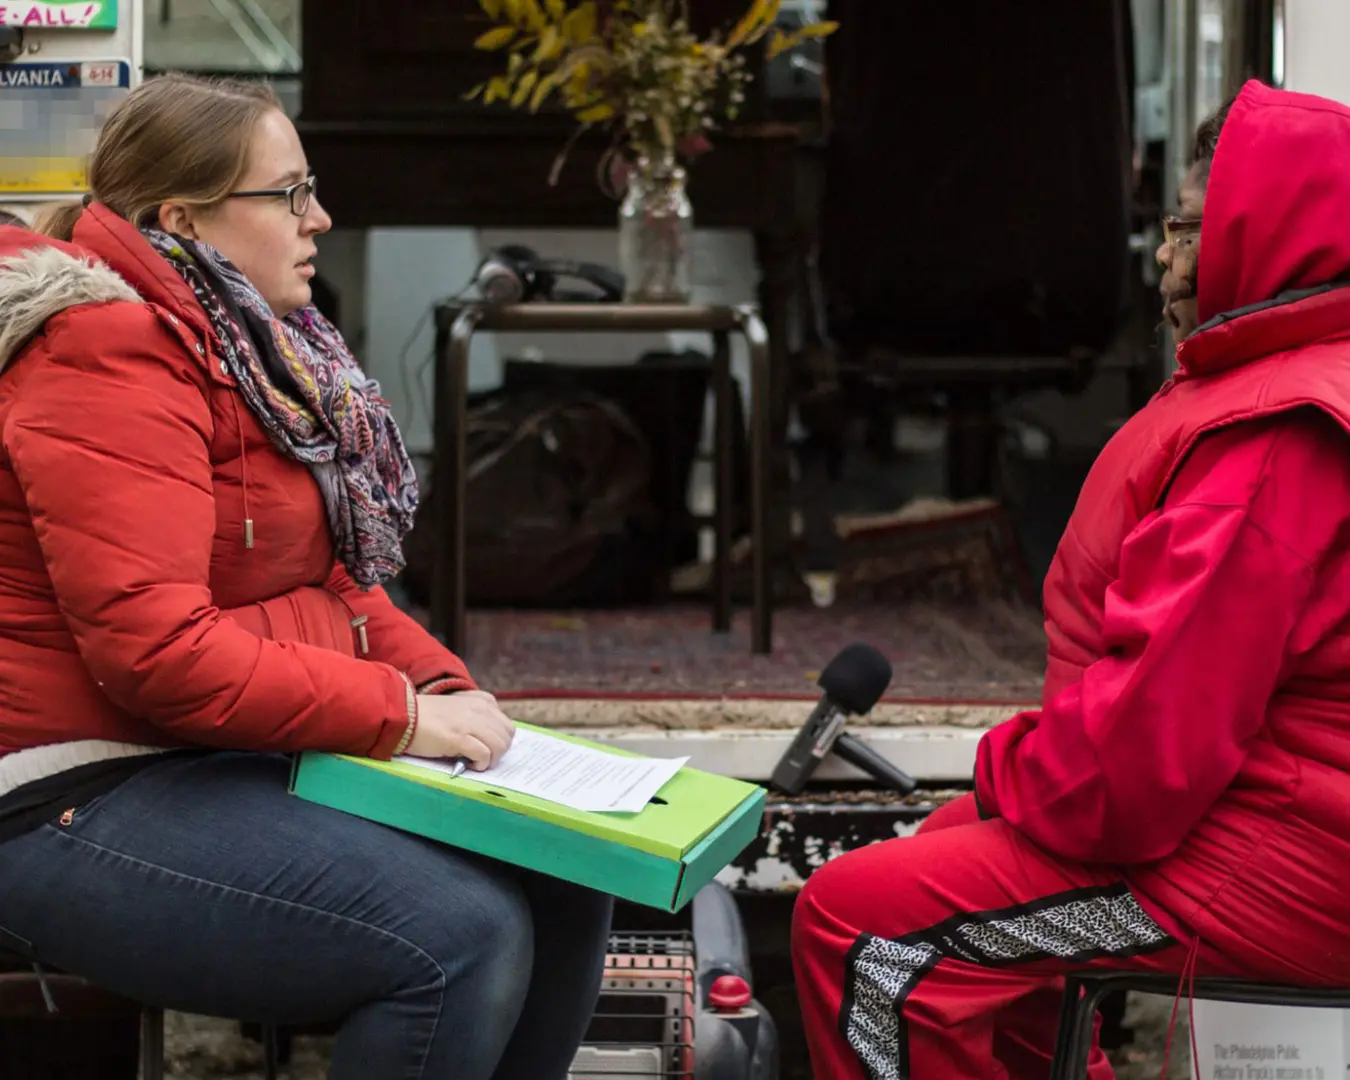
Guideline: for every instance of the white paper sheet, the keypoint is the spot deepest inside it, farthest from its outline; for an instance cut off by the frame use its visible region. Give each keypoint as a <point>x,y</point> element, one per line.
<point>575,776</point>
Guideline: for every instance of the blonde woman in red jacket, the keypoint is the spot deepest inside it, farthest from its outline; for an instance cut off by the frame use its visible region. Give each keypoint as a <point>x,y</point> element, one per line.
<point>200,494</point>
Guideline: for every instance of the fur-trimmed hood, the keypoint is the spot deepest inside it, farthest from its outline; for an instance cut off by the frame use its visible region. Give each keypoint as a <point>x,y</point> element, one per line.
<point>42,279</point>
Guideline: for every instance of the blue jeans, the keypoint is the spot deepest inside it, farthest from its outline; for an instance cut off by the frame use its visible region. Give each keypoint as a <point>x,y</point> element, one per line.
<point>201,885</point>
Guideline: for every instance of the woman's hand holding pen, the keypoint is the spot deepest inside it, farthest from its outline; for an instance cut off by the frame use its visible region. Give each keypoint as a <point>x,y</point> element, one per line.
<point>467,725</point>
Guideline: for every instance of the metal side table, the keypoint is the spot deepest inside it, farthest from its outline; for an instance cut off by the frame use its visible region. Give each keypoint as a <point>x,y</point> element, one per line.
<point>456,324</point>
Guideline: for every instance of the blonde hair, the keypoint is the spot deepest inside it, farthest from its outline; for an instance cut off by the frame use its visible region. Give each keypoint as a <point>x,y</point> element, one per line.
<point>175,138</point>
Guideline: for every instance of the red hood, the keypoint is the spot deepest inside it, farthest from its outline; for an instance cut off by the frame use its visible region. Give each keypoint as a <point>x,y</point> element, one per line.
<point>40,278</point>
<point>15,240</point>
<point>109,260</point>
<point>1277,220</point>
<point>104,237</point>
<point>118,243</point>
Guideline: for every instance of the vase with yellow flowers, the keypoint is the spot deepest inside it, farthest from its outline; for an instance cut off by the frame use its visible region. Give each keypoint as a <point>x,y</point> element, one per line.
<point>636,69</point>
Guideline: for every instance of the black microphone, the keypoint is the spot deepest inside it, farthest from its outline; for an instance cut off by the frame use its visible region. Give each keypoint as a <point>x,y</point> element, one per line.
<point>853,682</point>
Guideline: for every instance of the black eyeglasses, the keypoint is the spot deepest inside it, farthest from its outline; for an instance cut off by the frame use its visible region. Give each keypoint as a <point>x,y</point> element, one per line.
<point>297,196</point>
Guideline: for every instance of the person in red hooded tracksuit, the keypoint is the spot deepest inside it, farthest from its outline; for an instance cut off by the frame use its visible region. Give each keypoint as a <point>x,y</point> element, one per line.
<point>1181,799</point>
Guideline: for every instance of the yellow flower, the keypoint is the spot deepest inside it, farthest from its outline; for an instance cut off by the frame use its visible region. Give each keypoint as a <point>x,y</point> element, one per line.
<point>596,114</point>
<point>579,24</point>
<point>496,38</point>
<point>754,23</point>
<point>499,86</point>
<point>551,45</point>
<point>524,87</point>
<point>643,69</point>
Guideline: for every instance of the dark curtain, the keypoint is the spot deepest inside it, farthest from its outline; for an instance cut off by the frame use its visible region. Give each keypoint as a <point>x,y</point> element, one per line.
<point>979,175</point>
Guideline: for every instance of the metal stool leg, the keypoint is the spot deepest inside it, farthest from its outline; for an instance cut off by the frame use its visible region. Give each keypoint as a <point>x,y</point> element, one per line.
<point>723,449</point>
<point>449,584</point>
<point>1077,1016</point>
<point>1064,1036</point>
<point>761,454</point>
<point>269,1034</point>
<point>152,1044</point>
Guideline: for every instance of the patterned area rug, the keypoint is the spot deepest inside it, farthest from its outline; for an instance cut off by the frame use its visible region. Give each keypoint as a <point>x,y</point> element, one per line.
<point>940,588</point>
<point>987,652</point>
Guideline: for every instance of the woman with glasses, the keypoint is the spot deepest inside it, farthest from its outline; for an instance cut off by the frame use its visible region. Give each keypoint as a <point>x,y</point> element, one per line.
<point>200,496</point>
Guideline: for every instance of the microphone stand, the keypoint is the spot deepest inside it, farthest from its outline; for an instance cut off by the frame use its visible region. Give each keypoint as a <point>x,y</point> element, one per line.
<point>858,754</point>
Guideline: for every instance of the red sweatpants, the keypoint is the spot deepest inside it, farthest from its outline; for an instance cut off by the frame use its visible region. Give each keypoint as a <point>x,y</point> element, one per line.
<point>940,956</point>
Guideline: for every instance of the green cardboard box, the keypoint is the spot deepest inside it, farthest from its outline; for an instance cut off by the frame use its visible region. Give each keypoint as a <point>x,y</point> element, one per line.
<point>659,857</point>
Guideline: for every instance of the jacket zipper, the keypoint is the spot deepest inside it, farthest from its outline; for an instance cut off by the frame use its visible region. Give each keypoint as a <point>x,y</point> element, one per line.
<point>358,625</point>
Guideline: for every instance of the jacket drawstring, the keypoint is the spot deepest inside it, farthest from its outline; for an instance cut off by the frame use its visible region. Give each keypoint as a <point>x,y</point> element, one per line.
<point>1190,1007</point>
<point>243,470</point>
<point>1185,985</point>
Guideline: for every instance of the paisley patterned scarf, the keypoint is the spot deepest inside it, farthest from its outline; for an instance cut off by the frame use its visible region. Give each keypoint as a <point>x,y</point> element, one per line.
<point>317,406</point>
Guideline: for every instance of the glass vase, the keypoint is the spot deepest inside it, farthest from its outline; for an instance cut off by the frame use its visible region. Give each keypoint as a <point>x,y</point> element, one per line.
<point>656,231</point>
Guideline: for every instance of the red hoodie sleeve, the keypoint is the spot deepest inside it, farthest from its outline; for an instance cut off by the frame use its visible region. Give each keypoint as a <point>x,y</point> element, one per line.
<point>393,637</point>
<point>1121,765</point>
<point>109,439</point>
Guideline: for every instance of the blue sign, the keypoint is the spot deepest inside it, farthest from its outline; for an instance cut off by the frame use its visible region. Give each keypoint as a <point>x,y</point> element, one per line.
<point>84,75</point>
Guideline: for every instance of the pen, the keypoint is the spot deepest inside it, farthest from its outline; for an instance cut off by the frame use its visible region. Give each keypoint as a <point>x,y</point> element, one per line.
<point>457,769</point>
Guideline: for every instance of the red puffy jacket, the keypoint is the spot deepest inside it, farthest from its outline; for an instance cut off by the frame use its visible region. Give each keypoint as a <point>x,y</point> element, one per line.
<point>131,608</point>
<point>1195,726</point>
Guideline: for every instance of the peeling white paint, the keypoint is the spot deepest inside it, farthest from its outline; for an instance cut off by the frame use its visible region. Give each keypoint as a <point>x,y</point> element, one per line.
<point>815,852</point>
<point>778,830</point>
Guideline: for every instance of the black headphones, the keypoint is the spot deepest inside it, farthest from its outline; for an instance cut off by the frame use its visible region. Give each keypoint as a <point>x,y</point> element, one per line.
<point>513,274</point>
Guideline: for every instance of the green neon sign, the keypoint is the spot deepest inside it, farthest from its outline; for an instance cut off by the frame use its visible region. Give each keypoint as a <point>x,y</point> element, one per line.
<point>59,14</point>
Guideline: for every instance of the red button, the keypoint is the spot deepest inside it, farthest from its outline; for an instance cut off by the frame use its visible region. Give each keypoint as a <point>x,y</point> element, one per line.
<point>729,993</point>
